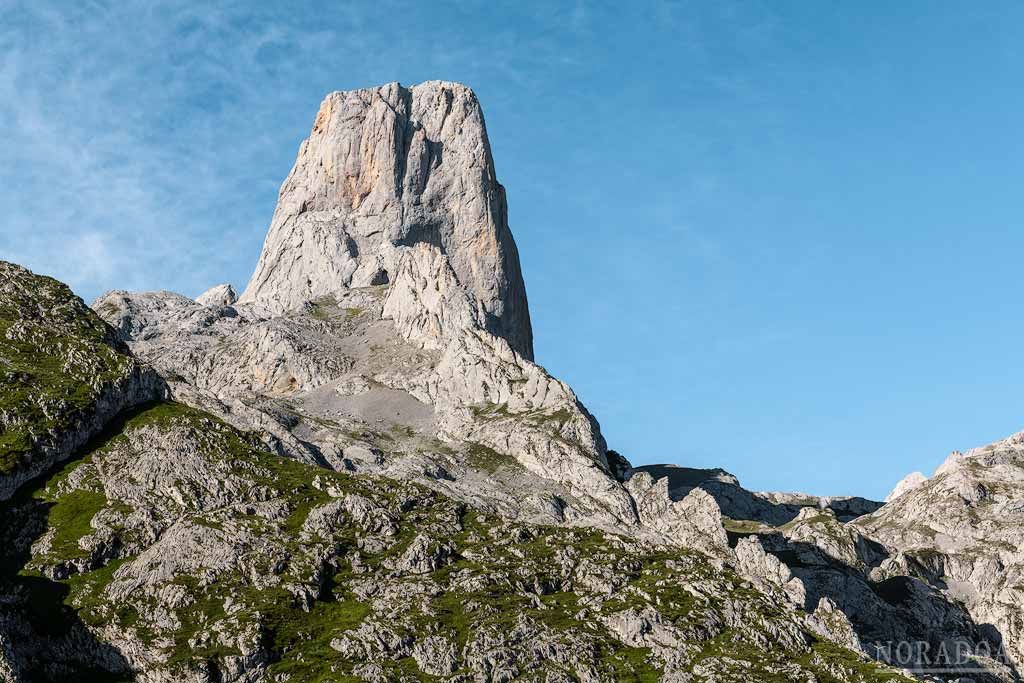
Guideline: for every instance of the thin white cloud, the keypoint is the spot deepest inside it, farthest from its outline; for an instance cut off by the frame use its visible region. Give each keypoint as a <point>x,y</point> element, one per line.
<point>162,130</point>
<point>165,128</point>
<point>118,121</point>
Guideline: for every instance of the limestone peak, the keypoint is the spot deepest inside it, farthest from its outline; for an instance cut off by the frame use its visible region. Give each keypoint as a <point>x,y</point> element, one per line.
<point>384,169</point>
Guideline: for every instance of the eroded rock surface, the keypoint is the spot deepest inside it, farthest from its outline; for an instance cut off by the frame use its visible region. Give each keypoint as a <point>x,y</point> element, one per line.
<point>385,169</point>
<point>221,295</point>
<point>907,483</point>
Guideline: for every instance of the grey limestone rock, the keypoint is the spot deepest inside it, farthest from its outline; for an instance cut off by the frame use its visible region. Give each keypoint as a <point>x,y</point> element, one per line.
<point>693,522</point>
<point>739,504</point>
<point>754,563</point>
<point>385,169</point>
<point>960,531</point>
<point>835,625</point>
<point>220,295</point>
<point>10,670</point>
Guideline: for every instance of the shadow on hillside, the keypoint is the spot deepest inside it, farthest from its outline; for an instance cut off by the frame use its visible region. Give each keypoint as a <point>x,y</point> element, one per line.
<point>902,621</point>
<point>47,638</point>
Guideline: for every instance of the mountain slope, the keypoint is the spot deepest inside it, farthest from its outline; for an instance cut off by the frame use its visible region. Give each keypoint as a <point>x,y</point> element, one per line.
<point>356,471</point>
<point>926,581</point>
<point>190,555</point>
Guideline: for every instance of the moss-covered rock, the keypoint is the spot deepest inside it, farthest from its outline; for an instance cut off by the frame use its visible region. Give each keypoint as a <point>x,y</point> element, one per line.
<point>63,375</point>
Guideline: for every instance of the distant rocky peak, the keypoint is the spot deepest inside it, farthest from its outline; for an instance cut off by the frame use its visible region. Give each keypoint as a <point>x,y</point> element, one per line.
<point>907,483</point>
<point>385,169</point>
<point>221,295</point>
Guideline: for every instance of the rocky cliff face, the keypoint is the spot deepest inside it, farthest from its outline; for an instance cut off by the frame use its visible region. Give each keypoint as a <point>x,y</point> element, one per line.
<point>925,581</point>
<point>388,294</point>
<point>960,531</point>
<point>383,170</point>
<point>907,483</point>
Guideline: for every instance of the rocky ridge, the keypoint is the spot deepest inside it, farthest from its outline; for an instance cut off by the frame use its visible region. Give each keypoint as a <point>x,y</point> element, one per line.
<point>960,532</point>
<point>907,483</point>
<point>891,570</point>
<point>175,550</point>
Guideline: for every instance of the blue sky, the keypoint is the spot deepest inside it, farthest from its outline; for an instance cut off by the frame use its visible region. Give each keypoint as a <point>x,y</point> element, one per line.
<point>780,238</point>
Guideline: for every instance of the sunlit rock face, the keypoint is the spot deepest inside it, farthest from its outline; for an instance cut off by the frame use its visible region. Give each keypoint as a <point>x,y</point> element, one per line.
<point>382,170</point>
<point>388,293</point>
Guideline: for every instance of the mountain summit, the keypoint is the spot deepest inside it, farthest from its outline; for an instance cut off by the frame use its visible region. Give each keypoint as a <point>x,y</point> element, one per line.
<point>385,169</point>
<point>356,471</point>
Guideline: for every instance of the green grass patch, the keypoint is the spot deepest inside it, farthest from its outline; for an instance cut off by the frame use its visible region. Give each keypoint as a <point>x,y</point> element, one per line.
<point>302,640</point>
<point>70,516</point>
<point>323,308</point>
<point>481,457</point>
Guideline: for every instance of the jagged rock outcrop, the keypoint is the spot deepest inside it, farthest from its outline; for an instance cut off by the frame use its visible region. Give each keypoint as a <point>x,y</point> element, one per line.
<point>693,522</point>
<point>10,670</point>
<point>835,625</point>
<point>221,295</point>
<point>63,374</point>
<point>760,566</point>
<point>750,508</point>
<point>961,532</point>
<point>385,169</point>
